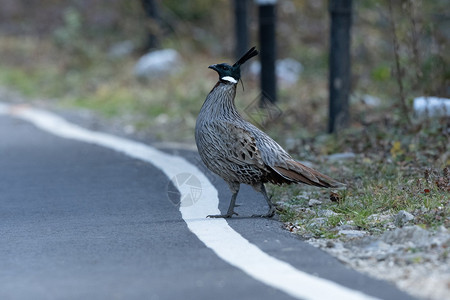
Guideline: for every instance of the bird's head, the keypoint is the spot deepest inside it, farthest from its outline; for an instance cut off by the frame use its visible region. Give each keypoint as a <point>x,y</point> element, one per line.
<point>232,73</point>
<point>227,72</point>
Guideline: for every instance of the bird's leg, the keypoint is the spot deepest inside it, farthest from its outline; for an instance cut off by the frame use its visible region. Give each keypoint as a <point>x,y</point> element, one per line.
<point>271,212</point>
<point>235,189</point>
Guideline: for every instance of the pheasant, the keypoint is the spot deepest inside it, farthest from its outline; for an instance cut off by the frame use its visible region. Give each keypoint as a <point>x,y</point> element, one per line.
<point>238,151</point>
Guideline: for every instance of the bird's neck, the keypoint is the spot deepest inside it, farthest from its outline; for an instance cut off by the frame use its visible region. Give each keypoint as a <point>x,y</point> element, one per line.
<point>220,102</point>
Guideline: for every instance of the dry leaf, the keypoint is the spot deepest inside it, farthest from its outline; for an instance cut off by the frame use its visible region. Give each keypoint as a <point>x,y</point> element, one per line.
<point>334,197</point>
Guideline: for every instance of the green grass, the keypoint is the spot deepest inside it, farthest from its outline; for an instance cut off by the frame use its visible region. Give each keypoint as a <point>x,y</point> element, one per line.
<point>377,189</point>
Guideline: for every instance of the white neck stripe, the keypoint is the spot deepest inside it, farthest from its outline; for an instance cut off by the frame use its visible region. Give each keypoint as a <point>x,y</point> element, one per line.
<point>229,78</point>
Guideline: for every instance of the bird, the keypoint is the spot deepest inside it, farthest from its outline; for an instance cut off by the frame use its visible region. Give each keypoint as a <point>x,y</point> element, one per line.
<point>238,151</point>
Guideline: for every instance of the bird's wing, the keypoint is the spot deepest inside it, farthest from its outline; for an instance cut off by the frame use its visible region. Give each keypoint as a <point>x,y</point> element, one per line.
<point>276,159</point>
<point>241,146</point>
<point>254,147</point>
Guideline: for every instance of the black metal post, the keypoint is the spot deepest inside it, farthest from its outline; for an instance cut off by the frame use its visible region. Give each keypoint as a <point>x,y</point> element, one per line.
<point>241,27</point>
<point>339,81</point>
<point>267,42</point>
<point>152,12</point>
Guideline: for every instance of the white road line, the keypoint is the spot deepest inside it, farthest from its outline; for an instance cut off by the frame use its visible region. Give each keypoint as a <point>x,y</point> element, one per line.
<point>216,234</point>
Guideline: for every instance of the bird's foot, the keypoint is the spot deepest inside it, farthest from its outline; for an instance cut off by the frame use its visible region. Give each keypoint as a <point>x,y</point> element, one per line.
<point>226,216</point>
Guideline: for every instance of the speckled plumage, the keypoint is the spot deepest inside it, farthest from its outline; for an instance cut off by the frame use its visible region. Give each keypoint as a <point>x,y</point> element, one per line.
<point>239,152</point>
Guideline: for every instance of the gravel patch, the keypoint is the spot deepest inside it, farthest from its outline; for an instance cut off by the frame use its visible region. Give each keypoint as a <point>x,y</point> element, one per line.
<point>415,259</point>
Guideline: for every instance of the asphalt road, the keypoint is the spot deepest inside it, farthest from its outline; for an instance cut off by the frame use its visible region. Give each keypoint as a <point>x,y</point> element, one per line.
<point>79,221</point>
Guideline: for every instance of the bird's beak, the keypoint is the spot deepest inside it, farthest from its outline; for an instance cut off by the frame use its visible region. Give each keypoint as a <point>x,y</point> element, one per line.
<point>213,67</point>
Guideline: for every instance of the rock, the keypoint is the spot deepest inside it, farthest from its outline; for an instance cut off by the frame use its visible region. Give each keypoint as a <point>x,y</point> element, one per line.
<point>381,256</point>
<point>402,218</point>
<point>302,197</point>
<point>121,49</point>
<point>341,156</point>
<point>414,234</point>
<point>370,100</point>
<point>330,244</point>
<point>326,213</point>
<point>255,68</point>
<point>317,222</point>
<point>288,70</point>
<point>346,227</point>
<point>378,218</point>
<point>352,233</point>
<point>314,202</point>
<point>431,106</point>
<point>377,246</point>
<point>157,64</point>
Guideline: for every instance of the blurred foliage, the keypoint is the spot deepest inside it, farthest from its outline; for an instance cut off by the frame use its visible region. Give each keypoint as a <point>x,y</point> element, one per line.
<point>69,38</point>
<point>190,10</point>
<point>60,50</point>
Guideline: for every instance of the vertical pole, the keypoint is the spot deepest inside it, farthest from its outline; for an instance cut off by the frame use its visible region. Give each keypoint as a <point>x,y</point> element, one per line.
<point>339,80</point>
<point>267,42</point>
<point>241,27</point>
<point>152,12</point>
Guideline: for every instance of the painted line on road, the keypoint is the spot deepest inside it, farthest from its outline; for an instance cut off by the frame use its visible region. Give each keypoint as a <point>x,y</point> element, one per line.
<point>216,234</point>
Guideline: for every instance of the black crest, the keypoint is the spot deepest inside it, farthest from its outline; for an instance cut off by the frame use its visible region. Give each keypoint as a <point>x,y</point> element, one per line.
<point>249,54</point>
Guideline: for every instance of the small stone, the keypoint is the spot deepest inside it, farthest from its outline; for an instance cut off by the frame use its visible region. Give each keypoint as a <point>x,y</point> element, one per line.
<point>157,64</point>
<point>370,100</point>
<point>314,202</point>
<point>346,227</point>
<point>381,256</point>
<point>330,244</point>
<point>317,222</point>
<point>390,225</point>
<point>414,234</point>
<point>402,218</point>
<point>377,246</point>
<point>326,213</point>
<point>379,217</point>
<point>352,233</point>
<point>301,197</point>
<point>341,156</point>
<point>287,70</point>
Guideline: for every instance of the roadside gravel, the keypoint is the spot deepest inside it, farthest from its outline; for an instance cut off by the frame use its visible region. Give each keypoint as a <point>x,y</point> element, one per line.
<point>415,259</point>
